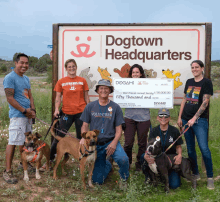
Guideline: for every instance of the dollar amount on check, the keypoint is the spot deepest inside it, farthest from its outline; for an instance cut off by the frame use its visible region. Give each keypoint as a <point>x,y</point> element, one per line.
<point>143,92</point>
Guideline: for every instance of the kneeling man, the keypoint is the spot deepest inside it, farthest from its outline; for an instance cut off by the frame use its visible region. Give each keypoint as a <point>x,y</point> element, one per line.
<point>107,117</point>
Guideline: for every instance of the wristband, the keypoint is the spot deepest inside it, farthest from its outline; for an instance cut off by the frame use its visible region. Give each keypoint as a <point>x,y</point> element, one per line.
<point>24,112</point>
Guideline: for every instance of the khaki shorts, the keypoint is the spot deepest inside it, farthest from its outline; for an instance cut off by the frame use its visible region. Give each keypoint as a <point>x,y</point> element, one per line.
<point>18,126</point>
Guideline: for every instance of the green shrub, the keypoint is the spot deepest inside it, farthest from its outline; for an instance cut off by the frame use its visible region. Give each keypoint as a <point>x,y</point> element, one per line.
<point>4,116</point>
<point>215,72</point>
<point>43,103</point>
<point>32,61</point>
<point>3,68</point>
<point>40,66</point>
<point>15,56</point>
<point>49,74</point>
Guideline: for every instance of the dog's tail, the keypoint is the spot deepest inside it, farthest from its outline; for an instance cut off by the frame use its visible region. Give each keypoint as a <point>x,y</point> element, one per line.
<point>53,131</point>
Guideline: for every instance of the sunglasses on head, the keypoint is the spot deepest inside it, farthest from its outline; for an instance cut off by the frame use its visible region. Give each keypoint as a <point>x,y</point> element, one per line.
<point>163,115</point>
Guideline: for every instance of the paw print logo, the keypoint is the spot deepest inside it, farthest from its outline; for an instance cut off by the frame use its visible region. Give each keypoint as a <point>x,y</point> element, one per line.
<point>80,52</point>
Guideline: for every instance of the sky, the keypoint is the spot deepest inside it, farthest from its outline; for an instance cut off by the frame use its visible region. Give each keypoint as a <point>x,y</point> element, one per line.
<point>26,25</point>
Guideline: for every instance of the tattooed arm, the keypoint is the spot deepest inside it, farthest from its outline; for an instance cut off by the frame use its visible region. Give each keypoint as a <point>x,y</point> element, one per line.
<point>9,92</point>
<point>179,122</point>
<point>57,103</point>
<point>202,108</point>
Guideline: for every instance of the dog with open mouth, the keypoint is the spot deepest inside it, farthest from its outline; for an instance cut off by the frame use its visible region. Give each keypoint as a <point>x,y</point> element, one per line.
<point>86,154</point>
<point>164,162</point>
<point>34,150</point>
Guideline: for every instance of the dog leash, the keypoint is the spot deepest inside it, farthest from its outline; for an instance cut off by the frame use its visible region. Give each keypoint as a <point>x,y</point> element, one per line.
<point>55,128</point>
<point>49,128</point>
<point>183,131</point>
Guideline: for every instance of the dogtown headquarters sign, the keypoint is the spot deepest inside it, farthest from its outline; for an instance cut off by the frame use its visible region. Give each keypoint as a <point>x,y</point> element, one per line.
<point>107,51</point>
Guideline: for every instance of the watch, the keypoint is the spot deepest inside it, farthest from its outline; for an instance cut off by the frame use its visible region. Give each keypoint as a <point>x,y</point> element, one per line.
<point>24,112</point>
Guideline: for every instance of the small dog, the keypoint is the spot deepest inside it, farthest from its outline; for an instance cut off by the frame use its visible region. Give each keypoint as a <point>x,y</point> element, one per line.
<point>85,154</point>
<point>164,162</point>
<point>34,150</point>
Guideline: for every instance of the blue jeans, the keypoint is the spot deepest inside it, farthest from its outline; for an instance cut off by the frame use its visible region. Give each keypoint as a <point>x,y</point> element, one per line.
<point>103,166</point>
<point>200,130</point>
<point>174,177</point>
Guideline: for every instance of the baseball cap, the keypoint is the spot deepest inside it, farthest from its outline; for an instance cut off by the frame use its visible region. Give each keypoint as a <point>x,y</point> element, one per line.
<point>164,111</point>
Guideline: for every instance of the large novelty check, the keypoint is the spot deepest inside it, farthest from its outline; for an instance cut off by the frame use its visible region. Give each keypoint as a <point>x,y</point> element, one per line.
<point>143,92</point>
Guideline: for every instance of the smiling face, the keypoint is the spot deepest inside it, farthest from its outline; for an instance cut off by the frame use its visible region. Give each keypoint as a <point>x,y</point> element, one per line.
<point>136,73</point>
<point>103,91</point>
<point>197,70</point>
<point>31,140</point>
<point>21,66</point>
<point>163,120</point>
<point>71,69</point>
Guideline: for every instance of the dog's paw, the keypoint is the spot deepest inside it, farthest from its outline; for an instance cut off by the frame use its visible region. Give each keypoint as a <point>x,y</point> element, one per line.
<point>167,190</point>
<point>91,185</point>
<point>38,177</point>
<point>26,179</point>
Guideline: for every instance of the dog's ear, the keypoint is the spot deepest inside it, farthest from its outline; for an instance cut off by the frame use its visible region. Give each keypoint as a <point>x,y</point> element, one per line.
<point>38,135</point>
<point>84,135</point>
<point>27,133</point>
<point>96,132</point>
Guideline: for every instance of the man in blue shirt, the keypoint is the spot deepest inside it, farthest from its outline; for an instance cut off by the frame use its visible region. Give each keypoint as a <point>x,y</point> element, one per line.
<point>22,110</point>
<point>107,117</point>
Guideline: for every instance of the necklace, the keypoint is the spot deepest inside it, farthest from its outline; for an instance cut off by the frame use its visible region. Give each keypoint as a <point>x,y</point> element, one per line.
<point>163,142</point>
<point>103,119</point>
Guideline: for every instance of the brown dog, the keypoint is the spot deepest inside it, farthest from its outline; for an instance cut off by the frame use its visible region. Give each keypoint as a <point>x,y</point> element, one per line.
<point>34,150</point>
<point>85,154</point>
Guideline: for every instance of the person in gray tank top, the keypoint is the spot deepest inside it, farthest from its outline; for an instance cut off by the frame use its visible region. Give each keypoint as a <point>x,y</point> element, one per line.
<point>136,119</point>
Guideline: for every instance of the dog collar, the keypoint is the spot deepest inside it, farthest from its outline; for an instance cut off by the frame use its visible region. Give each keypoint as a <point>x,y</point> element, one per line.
<point>159,155</point>
<point>85,154</point>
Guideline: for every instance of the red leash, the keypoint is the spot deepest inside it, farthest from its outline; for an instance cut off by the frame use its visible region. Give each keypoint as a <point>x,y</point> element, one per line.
<point>184,130</point>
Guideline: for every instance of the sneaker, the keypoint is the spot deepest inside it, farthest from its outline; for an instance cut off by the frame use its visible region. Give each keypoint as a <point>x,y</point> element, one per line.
<point>210,183</point>
<point>30,167</point>
<point>9,178</point>
<point>123,184</point>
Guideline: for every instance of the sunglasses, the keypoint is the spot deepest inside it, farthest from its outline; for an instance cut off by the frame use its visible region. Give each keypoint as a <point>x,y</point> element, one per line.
<point>163,115</point>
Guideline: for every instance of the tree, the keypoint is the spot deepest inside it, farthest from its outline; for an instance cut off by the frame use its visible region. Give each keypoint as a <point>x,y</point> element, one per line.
<point>32,61</point>
<point>47,59</point>
<point>40,66</point>
<point>15,56</point>
<point>3,68</point>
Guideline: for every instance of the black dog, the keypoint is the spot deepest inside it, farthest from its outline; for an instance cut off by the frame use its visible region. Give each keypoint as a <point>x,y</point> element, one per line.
<point>164,162</point>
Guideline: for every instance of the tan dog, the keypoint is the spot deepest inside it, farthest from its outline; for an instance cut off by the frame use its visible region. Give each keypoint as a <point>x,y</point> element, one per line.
<point>34,150</point>
<point>85,154</point>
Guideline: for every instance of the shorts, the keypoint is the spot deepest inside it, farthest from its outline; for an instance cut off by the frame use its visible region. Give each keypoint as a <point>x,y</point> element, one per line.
<point>18,126</point>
